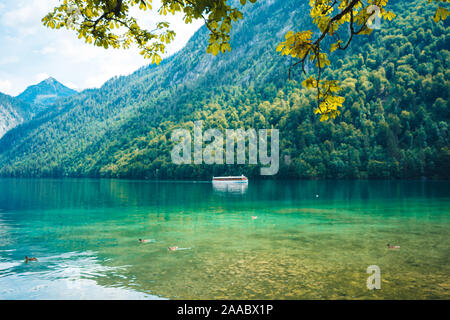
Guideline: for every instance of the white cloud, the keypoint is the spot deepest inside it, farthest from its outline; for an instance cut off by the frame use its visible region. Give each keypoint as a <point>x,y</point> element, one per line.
<point>31,52</point>
<point>95,81</point>
<point>5,86</point>
<point>71,85</point>
<point>9,60</point>
<point>26,14</point>
<point>41,77</point>
<point>48,50</point>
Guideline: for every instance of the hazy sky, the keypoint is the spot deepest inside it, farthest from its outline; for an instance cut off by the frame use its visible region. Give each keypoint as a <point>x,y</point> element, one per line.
<point>30,52</point>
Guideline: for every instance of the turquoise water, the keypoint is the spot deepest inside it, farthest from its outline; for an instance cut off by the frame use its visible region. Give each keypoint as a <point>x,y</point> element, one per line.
<point>270,240</point>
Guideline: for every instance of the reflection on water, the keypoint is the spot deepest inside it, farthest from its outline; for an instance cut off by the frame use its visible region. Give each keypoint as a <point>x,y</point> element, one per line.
<point>71,275</point>
<point>230,187</point>
<point>85,234</point>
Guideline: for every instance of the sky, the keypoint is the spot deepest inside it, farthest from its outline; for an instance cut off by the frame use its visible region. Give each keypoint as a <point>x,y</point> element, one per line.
<point>30,52</point>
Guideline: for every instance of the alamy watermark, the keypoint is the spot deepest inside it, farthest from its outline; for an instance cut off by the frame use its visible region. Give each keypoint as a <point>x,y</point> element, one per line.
<point>374,280</point>
<point>374,21</point>
<point>239,139</point>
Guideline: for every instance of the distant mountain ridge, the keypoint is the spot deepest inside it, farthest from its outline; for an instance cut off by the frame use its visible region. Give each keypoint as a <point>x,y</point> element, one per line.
<point>35,99</point>
<point>13,112</point>
<point>45,93</point>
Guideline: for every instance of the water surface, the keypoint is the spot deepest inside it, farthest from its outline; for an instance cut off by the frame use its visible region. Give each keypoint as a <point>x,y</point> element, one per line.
<point>271,240</point>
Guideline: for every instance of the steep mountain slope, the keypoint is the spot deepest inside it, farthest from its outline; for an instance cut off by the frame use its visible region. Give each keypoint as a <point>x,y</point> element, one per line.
<point>45,93</point>
<point>12,112</point>
<point>84,124</point>
<point>394,123</point>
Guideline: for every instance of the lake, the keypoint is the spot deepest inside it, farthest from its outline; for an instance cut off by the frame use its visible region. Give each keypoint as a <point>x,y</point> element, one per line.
<point>270,240</point>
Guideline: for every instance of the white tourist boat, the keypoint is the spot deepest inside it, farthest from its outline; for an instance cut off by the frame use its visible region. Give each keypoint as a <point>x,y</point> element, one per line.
<point>233,185</point>
<point>230,179</point>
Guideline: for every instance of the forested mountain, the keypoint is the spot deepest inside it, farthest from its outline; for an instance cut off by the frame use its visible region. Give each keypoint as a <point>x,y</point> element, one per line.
<point>44,94</point>
<point>394,122</point>
<point>35,99</point>
<point>12,112</point>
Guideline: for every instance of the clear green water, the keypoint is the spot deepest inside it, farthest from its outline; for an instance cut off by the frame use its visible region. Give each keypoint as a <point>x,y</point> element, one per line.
<point>311,240</point>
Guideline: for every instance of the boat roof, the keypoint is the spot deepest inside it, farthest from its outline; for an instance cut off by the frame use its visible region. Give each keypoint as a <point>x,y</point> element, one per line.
<point>230,177</point>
